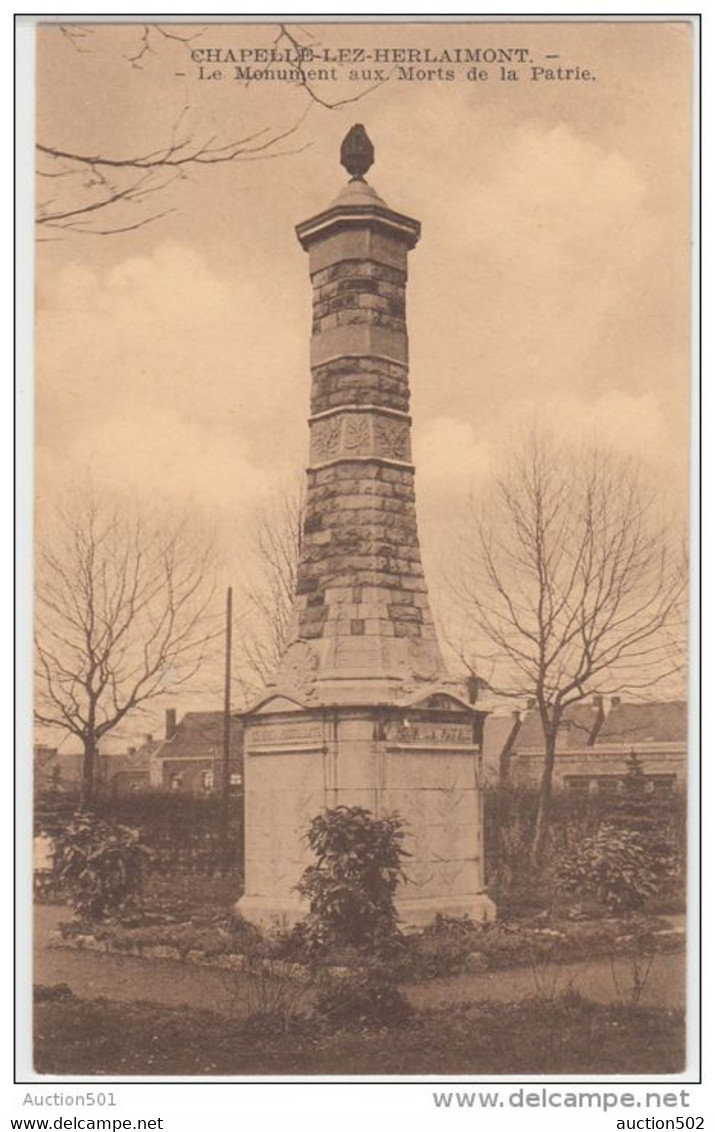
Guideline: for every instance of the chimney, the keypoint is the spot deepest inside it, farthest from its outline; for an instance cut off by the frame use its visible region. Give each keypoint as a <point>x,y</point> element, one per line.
<point>507,750</point>
<point>131,750</point>
<point>148,738</point>
<point>170,727</point>
<point>472,688</point>
<point>599,718</point>
<point>615,701</point>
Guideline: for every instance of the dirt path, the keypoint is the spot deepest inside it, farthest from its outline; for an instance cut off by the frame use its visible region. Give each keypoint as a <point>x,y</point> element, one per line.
<point>593,978</point>
<point>93,975</point>
<point>126,978</point>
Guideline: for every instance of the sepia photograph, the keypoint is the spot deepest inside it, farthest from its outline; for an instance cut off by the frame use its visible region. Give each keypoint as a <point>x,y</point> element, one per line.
<point>362,742</point>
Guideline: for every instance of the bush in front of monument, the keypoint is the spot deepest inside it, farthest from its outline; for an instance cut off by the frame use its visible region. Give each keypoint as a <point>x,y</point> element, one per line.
<point>363,1001</point>
<point>351,887</point>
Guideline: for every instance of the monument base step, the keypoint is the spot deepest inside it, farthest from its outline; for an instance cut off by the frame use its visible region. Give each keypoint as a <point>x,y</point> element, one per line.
<point>418,912</point>
<point>413,911</point>
<point>271,911</point>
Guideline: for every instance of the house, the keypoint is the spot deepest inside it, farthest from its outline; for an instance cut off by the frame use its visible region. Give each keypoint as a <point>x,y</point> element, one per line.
<point>593,742</point>
<point>45,767</point>
<point>120,772</point>
<point>190,758</point>
<point>128,771</point>
<point>656,732</point>
<point>56,771</point>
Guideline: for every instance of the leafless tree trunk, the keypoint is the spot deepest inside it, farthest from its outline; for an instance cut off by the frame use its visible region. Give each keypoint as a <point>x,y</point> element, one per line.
<point>122,615</point>
<point>570,584</point>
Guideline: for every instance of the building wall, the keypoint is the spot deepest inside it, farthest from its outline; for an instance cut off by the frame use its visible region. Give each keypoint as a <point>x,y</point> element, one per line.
<point>191,759</point>
<point>601,767</point>
<point>197,775</point>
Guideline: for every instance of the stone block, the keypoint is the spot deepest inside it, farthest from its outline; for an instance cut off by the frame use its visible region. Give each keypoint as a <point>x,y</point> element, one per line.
<point>162,951</point>
<point>439,878</point>
<point>360,339</point>
<point>404,613</point>
<point>431,770</point>
<point>335,595</point>
<point>406,629</point>
<point>356,244</point>
<point>371,611</point>
<point>380,627</point>
<point>195,957</point>
<point>447,839</point>
<point>419,911</point>
<point>356,768</point>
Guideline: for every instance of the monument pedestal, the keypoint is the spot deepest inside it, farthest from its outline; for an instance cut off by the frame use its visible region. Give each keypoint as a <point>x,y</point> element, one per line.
<point>420,760</point>
<point>362,711</point>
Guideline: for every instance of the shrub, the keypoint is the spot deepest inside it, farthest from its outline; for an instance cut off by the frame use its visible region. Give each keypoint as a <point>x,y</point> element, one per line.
<point>184,831</point>
<point>616,866</point>
<point>630,857</point>
<point>363,1002</point>
<point>54,992</point>
<point>273,1003</point>
<point>247,938</point>
<point>442,947</point>
<point>100,865</point>
<point>575,821</point>
<point>351,888</point>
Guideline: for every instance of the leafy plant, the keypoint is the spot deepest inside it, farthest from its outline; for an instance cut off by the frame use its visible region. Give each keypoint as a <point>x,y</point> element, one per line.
<point>351,887</point>
<point>363,1002</point>
<point>183,830</point>
<point>509,816</point>
<point>100,865</point>
<point>630,858</point>
<point>273,1002</point>
<point>54,992</point>
<point>441,947</point>
<point>615,866</point>
<point>550,978</point>
<point>640,956</point>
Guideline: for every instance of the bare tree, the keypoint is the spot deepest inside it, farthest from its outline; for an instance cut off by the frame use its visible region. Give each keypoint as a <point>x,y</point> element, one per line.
<point>105,193</point>
<point>572,584</point>
<point>123,615</point>
<point>270,588</point>
<point>95,183</point>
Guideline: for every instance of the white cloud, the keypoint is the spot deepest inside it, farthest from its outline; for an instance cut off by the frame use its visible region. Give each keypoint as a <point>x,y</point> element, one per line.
<point>147,373</point>
<point>448,454</point>
<point>547,252</point>
<point>456,457</point>
<point>167,457</point>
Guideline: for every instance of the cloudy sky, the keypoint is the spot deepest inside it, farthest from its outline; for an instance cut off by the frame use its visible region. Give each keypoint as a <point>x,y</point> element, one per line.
<point>552,278</point>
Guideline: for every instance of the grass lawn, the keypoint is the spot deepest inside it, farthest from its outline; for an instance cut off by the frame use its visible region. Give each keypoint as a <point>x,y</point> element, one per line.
<point>570,1035</point>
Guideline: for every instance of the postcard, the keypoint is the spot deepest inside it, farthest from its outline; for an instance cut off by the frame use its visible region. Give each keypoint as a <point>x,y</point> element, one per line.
<point>363,393</point>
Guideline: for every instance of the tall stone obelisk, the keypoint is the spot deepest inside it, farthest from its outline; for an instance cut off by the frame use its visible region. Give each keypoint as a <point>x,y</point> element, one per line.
<point>362,710</point>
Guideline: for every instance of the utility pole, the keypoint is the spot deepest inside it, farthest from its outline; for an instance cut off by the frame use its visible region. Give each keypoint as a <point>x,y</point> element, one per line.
<point>226,767</point>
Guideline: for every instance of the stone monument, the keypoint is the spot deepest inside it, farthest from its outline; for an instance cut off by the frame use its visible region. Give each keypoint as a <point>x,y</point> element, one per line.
<point>362,710</point>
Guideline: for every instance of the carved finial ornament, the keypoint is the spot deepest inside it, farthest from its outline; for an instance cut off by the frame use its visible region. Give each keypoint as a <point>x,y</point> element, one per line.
<point>357,152</point>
